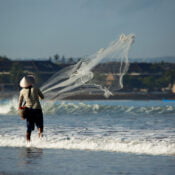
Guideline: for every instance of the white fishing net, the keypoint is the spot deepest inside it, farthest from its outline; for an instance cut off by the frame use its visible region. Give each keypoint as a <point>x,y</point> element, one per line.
<point>101,72</point>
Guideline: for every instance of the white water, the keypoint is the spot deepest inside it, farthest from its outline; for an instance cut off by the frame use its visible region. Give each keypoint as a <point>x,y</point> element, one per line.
<point>141,127</point>
<point>138,142</point>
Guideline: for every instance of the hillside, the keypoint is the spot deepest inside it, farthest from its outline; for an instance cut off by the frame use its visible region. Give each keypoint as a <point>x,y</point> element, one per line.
<point>140,76</point>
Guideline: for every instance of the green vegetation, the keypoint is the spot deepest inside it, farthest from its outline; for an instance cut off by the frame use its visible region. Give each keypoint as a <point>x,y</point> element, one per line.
<point>150,82</point>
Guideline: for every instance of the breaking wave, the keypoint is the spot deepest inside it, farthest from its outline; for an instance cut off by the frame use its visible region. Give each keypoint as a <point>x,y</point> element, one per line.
<point>110,126</point>
<point>82,108</point>
<point>93,143</point>
<point>79,108</point>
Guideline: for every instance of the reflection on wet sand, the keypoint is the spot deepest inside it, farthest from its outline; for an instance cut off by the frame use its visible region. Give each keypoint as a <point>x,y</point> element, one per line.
<point>31,155</point>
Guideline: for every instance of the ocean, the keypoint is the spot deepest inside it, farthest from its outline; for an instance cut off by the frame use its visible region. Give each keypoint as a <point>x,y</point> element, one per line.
<point>127,137</point>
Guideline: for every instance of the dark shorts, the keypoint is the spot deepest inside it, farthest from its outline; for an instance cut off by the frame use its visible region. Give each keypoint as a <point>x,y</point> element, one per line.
<point>35,117</point>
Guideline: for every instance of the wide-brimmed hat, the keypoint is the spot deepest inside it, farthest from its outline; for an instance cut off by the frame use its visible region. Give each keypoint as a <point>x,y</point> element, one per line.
<point>25,82</point>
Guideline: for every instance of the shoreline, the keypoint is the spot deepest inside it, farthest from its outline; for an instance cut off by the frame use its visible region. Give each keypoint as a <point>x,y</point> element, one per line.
<point>117,96</point>
<point>19,161</point>
<point>125,96</point>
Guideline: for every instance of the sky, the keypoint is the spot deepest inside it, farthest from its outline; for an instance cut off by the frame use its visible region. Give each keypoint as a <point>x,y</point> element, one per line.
<point>77,28</point>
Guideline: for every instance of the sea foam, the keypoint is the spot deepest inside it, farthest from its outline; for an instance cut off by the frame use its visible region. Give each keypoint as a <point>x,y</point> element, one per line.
<point>112,144</point>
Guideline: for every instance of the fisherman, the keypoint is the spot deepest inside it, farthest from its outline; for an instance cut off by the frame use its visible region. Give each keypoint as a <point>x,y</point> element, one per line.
<point>29,95</point>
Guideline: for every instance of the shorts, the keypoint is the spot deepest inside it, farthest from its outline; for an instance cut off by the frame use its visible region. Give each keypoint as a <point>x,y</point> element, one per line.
<point>35,117</point>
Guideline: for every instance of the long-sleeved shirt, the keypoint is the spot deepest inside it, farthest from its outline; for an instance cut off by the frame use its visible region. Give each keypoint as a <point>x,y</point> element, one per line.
<point>32,101</point>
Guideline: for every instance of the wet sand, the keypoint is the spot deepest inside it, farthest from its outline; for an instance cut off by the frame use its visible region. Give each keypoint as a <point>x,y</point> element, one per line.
<point>20,161</point>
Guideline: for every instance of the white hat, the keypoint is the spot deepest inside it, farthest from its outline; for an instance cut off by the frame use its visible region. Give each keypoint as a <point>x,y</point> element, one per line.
<point>25,82</point>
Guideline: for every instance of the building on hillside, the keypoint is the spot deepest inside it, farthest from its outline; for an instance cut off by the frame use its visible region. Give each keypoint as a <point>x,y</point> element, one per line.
<point>109,79</point>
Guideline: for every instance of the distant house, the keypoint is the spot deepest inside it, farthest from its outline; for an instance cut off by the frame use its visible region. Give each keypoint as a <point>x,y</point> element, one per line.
<point>109,79</point>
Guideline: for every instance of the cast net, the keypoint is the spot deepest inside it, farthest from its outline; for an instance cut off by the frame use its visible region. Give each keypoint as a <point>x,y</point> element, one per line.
<point>100,73</point>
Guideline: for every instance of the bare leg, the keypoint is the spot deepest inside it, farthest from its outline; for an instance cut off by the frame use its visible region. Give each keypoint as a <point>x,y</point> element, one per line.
<point>40,132</point>
<point>28,134</point>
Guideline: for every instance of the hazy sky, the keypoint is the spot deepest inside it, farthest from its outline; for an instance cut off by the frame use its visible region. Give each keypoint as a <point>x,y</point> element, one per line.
<point>42,28</point>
